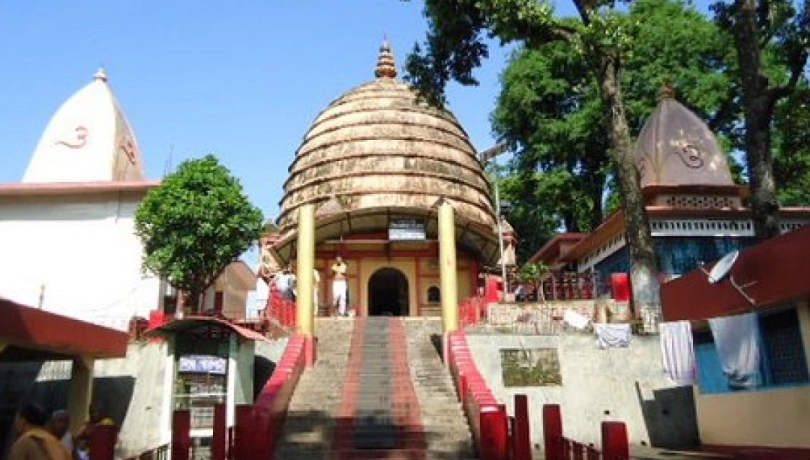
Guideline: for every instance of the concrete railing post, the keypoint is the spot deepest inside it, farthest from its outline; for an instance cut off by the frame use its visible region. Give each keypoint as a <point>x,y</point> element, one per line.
<point>615,445</point>
<point>181,435</point>
<point>553,431</point>
<point>522,442</point>
<point>219,441</point>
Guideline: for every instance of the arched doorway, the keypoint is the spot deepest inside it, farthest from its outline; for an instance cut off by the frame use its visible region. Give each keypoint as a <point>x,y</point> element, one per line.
<point>388,293</point>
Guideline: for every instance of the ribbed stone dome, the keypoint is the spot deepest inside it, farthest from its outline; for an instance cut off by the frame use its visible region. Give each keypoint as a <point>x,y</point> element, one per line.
<point>377,146</point>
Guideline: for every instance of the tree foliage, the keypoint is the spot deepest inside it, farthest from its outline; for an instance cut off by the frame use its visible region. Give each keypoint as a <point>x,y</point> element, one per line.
<point>791,162</point>
<point>772,40</point>
<point>550,113</point>
<point>454,48</point>
<point>195,223</point>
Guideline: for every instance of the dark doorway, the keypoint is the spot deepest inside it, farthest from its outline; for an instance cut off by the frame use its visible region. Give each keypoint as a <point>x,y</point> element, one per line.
<point>388,293</point>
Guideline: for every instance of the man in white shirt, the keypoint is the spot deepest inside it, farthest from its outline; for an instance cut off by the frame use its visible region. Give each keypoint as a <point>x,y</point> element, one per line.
<point>339,286</point>
<point>285,282</point>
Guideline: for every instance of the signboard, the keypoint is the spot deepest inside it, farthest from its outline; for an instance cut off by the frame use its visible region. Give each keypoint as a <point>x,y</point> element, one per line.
<point>406,230</point>
<point>202,364</point>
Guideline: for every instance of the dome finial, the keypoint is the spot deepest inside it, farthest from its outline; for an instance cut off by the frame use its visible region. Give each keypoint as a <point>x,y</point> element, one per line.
<point>668,91</point>
<point>100,74</point>
<point>386,66</point>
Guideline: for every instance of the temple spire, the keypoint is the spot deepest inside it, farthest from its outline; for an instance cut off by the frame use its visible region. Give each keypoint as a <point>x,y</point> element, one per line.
<point>386,66</point>
<point>668,91</point>
<point>100,74</point>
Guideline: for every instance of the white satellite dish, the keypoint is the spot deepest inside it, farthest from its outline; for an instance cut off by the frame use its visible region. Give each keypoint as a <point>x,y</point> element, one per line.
<point>723,267</point>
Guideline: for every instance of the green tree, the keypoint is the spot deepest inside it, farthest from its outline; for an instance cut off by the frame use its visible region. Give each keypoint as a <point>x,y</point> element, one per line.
<point>455,46</point>
<point>534,274</point>
<point>773,40</point>
<point>195,223</point>
<point>791,162</point>
<point>550,112</point>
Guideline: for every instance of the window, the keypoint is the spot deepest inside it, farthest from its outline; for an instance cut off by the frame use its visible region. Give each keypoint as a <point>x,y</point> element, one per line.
<point>433,294</point>
<point>782,351</point>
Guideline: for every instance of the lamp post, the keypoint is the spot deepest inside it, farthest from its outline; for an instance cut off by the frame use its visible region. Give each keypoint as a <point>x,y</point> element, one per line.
<point>485,156</point>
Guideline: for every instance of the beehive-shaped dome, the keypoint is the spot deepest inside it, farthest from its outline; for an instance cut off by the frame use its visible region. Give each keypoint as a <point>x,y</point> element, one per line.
<point>675,147</point>
<point>379,147</point>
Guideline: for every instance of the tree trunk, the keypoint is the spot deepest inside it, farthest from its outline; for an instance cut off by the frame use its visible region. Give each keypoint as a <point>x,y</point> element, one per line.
<point>192,301</point>
<point>758,109</point>
<point>643,262</point>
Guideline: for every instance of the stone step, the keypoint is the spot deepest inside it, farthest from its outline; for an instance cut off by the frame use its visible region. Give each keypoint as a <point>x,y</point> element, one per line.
<point>313,416</point>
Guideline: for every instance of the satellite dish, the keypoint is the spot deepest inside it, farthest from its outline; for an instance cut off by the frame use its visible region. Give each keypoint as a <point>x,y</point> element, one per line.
<point>723,267</point>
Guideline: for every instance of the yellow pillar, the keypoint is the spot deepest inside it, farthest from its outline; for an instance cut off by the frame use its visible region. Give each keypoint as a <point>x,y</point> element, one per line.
<point>3,346</point>
<point>305,266</point>
<point>447,266</point>
<point>80,392</point>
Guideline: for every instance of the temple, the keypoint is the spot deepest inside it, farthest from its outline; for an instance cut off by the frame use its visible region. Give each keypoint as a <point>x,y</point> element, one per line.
<point>375,164</point>
<point>695,210</point>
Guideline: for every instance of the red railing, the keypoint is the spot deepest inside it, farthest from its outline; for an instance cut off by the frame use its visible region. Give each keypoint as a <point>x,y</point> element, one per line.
<point>259,426</point>
<point>280,309</point>
<point>572,286</point>
<point>487,418</point>
<point>471,310</point>
<point>615,445</point>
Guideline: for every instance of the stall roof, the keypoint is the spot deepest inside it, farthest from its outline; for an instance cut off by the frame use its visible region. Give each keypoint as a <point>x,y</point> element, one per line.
<point>33,334</point>
<point>194,324</point>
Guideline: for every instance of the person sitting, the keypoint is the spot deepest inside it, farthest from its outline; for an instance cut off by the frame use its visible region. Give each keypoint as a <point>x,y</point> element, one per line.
<point>34,441</point>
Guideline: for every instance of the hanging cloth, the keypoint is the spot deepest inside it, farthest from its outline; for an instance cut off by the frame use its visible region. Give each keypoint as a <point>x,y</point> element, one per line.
<point>677,352</point>
<point>576,320</point>
<point>737,342</point>
<point>611,335</point>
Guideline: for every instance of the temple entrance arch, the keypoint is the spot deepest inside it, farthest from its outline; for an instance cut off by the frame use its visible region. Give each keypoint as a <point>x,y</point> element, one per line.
<point>388,293</point>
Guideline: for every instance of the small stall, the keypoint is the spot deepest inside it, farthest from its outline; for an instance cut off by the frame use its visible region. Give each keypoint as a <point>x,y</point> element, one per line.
<point>212,362</point>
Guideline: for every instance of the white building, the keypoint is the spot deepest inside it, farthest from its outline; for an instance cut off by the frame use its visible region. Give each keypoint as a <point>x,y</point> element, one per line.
<point>67,241</point>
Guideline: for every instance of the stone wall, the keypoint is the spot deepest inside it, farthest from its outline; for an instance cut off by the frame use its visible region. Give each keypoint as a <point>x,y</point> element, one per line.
<point>547,318</point>
<point>615,384</point>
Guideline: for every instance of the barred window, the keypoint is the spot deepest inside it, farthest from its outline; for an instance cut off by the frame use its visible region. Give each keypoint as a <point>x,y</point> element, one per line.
<point>783,359</point>
<point>784,351</point>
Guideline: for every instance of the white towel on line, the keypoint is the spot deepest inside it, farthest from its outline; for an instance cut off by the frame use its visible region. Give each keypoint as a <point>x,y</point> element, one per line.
<point>609,335</point>
<point>677,352</point>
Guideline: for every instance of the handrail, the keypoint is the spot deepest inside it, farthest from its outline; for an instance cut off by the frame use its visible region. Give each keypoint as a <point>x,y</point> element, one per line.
<point>158,453</point>
<point>259,426</point>
<point>487,418</point>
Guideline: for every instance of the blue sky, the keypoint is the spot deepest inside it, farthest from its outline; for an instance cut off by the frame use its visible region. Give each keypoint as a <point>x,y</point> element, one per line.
<point>241,79</point>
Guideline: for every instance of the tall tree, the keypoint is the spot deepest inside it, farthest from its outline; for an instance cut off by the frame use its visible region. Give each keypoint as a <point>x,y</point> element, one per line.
<point>550,112</point>
<point>791,161</point>
<point>194,224</point>
<point>454,47</point>
<point>766,31</point>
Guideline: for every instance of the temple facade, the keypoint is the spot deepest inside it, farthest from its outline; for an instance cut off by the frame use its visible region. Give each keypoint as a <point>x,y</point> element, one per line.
<point>376,164</point>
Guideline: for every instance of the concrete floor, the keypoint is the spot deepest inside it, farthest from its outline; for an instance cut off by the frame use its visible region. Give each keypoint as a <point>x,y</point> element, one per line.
<point>652,453</point>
